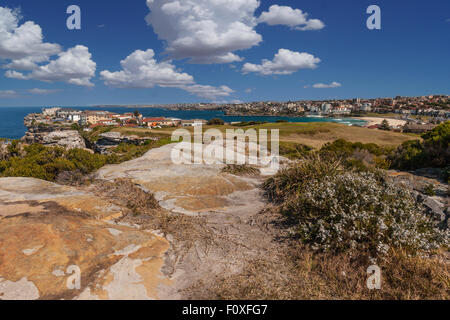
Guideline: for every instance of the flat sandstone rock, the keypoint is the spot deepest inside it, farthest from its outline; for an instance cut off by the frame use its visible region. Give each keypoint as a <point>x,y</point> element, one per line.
<point>46,230</point>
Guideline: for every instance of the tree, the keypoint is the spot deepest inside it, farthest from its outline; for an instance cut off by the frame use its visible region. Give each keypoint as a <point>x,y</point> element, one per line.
<point>216,122</point>
<point>385,125</point>
<point>136,113</point>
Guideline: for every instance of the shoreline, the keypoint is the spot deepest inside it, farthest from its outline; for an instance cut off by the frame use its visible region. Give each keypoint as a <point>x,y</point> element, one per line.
<point>371,121</point>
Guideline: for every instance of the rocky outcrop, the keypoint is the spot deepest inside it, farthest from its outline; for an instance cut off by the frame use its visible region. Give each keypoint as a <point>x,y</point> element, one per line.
<point>429,191</point>
<point>187,188</point>
<point>3,151</point>
<point>110,140</point>
<point>54,136</point>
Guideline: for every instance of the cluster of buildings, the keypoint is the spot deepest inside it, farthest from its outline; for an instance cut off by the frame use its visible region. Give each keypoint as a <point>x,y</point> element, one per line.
<point>414,110</point>
<point>437,106</point>
<point>91,118</point>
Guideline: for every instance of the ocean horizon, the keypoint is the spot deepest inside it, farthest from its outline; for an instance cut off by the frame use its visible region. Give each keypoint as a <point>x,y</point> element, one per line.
<point>12,127</point>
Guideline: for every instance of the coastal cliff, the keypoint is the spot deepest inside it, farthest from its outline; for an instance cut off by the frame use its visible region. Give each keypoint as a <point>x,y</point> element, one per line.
<point>54,136</point>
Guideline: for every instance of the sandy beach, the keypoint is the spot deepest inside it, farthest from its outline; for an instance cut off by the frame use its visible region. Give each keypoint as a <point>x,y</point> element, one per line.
<point>375,120</point>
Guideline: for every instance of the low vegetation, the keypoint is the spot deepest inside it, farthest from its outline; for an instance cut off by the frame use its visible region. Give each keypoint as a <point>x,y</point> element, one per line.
<point>65,166</point>
<point>47,163</point>
<point>331,222</point>
<point>292,150</point>
<point>240,170</point>
<point>432,152</point>
<point>94,135</point>
<point>334,209</point>
<point>216,122</point>
<point>297,273</point>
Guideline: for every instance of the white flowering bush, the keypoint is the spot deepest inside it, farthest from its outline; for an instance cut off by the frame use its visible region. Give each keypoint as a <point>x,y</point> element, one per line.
<point>335,210</point>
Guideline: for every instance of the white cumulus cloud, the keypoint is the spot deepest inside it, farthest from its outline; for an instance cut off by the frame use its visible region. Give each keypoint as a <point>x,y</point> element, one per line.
<point>211,31</point>
<point>205,31</point>
<point>15,75</point>
<point>141,70</point>
<point>23,47</point>
<point>334,84</point>
<point>294,18</point>
<point>73,66</point>
<point>24,41</point>
<point>284,62</point>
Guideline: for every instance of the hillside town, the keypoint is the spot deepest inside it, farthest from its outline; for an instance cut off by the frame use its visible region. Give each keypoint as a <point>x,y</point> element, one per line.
<point>90,119</point>
<point>436,106</point>
<point>404,114</point>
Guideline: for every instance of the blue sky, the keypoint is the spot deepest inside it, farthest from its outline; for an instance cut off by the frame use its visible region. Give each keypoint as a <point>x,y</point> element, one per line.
<point>408,56</point>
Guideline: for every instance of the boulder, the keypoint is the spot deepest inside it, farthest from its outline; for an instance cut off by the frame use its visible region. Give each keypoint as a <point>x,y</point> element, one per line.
<point>110,140</point>
<point>435,207</point>
<point>69,139</point>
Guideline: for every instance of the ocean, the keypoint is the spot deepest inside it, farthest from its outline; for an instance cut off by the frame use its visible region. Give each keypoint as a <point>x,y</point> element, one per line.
<point>11,118</point>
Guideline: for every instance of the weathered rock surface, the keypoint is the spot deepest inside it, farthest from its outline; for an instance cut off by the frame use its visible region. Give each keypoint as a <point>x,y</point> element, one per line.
<point>110,140</point>
<point>69,139</point>
<point>46,228</point>
<point>186,188</point>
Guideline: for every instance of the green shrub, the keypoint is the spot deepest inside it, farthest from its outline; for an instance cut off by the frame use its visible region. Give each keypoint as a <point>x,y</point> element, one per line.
<point>385,125</point>
<point>288,181</point>
<point>382,163</point>
<point>56,163</point>
<point>38,161</point>
<point>249,123</point>
<point>432,152</point>
<point>294,150</point>
<point>356,155</point>
<point>85,161</point>
<point>336,210</point>
<point>216,122</point>
<point>345,148</point>
<point>429,190</point>
<point>14,148</point>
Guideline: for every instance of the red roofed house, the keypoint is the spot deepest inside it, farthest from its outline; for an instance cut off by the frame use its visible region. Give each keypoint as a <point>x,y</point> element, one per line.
<point>153,122</point>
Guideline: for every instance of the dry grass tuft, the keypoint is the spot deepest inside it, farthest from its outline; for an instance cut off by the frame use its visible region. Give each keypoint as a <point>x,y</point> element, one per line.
<point>295,272</point>
<point>300,274</point>
<point>240,170</point>
<point>184,232</point>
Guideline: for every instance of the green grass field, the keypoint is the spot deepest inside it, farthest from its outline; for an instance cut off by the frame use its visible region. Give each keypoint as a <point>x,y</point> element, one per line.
<point>314,134</point>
